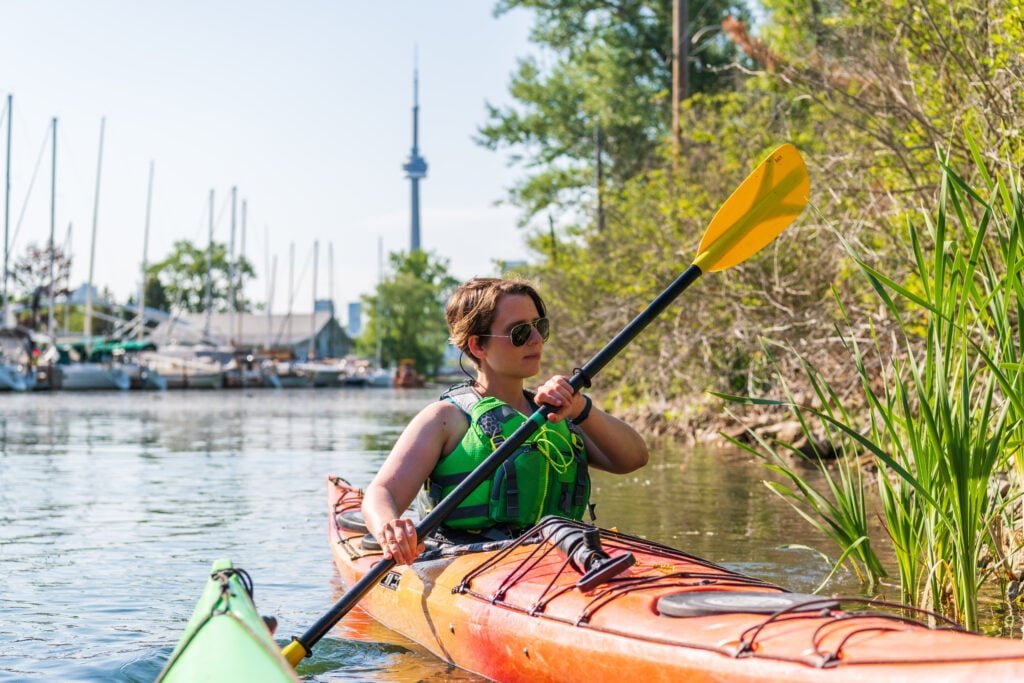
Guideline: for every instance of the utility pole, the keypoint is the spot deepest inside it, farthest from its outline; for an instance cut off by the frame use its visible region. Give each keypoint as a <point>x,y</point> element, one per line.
<point>600,176</point>
<point>680,73</point>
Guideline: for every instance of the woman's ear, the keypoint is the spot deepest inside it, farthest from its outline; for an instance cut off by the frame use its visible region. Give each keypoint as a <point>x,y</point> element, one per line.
<point>474,345</point>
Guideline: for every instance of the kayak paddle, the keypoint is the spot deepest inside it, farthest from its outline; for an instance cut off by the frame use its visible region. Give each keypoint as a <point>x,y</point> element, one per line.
<point>771,197</point>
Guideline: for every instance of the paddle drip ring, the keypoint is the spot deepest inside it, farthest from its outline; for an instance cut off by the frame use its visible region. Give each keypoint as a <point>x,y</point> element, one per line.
<point>585,376</point>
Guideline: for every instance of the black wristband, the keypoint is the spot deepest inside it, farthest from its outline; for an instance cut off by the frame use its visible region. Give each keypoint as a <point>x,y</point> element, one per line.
<point>585,413</point>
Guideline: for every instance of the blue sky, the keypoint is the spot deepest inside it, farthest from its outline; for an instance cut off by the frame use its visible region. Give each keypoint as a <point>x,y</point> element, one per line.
<point>304,106</point>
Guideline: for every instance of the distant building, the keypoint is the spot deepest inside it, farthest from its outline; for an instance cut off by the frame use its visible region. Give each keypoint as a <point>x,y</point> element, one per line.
<point>302,335</point>
<point>77,297</point>
<point>355,319</point>
<point>509,266</point>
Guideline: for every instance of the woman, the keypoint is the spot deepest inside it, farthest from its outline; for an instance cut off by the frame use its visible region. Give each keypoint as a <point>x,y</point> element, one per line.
<point>500,325</point>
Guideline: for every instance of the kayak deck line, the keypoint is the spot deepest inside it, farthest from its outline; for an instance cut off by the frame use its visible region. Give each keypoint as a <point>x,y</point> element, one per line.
<point>715,575</point>
<point>715,579</point>
<point>514,611</point>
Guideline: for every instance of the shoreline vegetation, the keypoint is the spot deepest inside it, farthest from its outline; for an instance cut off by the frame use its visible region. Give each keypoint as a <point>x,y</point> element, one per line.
<point>878,341</point>
<point>919,425</point>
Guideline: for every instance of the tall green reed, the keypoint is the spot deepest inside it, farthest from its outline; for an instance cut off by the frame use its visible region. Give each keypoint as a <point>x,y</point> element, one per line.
<point>940,411</point>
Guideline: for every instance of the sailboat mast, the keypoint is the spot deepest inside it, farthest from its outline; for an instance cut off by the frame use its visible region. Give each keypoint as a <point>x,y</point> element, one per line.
<point>291,289</point>
<point>7,203</point>
<point>231,270</point>
<point>270,280</point>
<point>330,275</point>
<point>209,272</point>
<point>380,278</point>
<point>141,323</point>
<point>240,290</point>
<point>67,250</point>
<point>53,219</point>
<point>312,322</point>
<point>92,248</point>
<point>270,304</point>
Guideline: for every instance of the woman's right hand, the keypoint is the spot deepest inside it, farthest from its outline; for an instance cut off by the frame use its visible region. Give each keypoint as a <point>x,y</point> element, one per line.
<point>397,539</point>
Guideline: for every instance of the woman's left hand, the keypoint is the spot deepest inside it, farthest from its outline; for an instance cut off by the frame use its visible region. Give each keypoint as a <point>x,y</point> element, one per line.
<point>558,393</point>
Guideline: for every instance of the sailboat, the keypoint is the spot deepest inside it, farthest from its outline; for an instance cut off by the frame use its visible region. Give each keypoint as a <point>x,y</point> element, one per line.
<point>15,363</point>
<point>142,375</point>
<point>322,373</point>
<point>73,369</point>
<point>379,376</point>
<point>181,367</point>
<point>16,359</point>
<point>73,373</point>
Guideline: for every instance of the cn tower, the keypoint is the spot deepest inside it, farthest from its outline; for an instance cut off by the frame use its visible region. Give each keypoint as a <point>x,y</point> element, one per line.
<point>415,166</point>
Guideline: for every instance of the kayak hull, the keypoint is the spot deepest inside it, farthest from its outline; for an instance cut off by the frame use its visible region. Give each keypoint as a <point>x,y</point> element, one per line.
<point>516,613</point>
<point>226,639</point>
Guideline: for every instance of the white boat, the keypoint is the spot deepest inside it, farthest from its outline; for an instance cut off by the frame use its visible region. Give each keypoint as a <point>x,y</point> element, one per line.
<point>142,376</point>
<point>356,372</point>
<point>289,376</point>
<point>16,347</point>
<point>182,369</point>
<point>321,373</point>
<point>11,379</point>
<point>246,371</point>
<point>127,354</point>
<point>380,377</point>
<point>90,376</point>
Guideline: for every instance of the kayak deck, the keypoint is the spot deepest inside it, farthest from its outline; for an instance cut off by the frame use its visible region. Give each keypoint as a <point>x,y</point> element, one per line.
<point>516,611</point>
<point>226,639</point>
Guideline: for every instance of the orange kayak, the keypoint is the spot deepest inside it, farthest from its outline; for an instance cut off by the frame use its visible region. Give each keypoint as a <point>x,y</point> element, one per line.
<point>569,602</point>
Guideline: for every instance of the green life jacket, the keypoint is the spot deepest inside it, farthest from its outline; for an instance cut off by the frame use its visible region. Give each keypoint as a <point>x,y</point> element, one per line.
<point>547,475</point>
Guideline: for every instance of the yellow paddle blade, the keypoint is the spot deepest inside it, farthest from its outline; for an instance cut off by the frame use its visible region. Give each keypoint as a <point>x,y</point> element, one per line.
<point>771,197</point>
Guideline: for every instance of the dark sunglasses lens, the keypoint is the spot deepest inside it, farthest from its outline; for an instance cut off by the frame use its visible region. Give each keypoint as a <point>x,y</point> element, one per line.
<point>544,328</point>
<point>520,334</point>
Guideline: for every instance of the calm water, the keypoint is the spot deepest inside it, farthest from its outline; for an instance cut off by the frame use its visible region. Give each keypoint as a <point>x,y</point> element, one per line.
<point>114,505</point>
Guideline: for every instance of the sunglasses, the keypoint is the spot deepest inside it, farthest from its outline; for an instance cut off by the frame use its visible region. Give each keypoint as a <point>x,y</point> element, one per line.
<point>520,334</point>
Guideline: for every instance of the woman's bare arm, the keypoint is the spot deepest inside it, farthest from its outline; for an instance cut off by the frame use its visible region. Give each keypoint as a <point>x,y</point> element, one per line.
<point>433,432</point>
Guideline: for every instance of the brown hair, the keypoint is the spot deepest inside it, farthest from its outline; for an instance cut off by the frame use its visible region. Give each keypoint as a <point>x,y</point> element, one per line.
<point>472,306</point>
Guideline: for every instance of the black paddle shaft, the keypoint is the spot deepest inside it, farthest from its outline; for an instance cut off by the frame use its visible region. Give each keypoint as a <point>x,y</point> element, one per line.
<point>429,524</point>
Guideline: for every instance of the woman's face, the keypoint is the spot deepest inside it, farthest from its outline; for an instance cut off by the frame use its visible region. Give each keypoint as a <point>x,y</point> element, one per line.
<point>498,350</point>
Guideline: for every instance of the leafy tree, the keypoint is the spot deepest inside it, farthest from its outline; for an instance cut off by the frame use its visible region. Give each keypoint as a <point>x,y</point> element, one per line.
<point>597,281</point>
<point>885,85</point>
<point>32,276</point>
<point>156,295</point>
<point>607,64</point>
<point>411,312</point>
<point>867,91</point>
<point>183,277</point>
<point>899,80</point>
